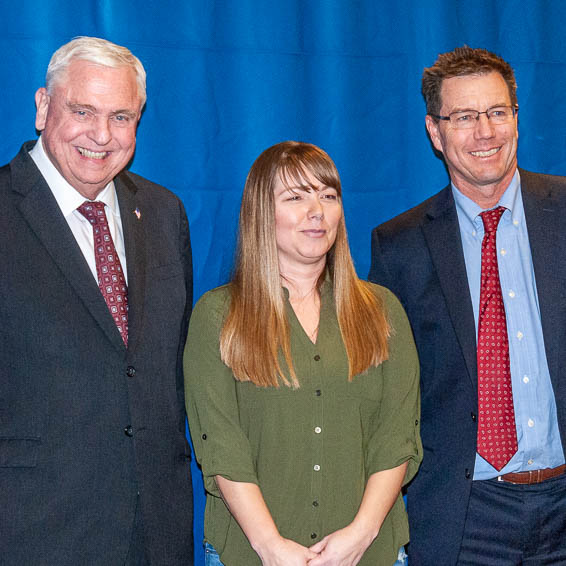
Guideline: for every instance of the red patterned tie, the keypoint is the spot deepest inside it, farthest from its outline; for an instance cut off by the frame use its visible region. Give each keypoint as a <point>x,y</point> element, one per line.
<point>497,434</point>
<point>111,278</point>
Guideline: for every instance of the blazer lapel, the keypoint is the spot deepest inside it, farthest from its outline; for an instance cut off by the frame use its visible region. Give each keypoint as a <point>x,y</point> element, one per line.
<point>39,208</point>
<point>546,226</point>
<point>132,216</point>
<point>442,234</point>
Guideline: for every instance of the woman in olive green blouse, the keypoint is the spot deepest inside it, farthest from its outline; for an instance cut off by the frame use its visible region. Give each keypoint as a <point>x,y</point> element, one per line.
<point>301,384</point>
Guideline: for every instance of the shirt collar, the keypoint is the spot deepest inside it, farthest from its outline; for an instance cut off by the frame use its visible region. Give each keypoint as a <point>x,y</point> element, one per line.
<point>510,199</point>
<point>67,197</point>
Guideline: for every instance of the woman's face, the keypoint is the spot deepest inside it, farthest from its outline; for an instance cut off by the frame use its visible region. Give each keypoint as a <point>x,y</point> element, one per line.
<point>305,222</point>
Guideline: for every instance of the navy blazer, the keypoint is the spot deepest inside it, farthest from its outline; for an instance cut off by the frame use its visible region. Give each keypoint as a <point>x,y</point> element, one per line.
<point>91,432</point>
<point>419,256</point>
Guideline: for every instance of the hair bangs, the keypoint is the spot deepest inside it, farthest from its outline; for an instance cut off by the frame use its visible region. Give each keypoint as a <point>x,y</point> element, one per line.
<point>296,165</point>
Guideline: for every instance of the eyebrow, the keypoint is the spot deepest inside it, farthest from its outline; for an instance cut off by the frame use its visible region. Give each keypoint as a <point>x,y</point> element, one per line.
<point>307,187</point>
<point>76,106</point>
<point>489,108</point>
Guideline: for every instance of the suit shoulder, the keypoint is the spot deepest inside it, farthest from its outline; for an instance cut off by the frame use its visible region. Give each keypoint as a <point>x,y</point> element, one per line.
<point>149,188</point>
<point>5,175</point>
<point>412,218</point>
<point>543,182</point>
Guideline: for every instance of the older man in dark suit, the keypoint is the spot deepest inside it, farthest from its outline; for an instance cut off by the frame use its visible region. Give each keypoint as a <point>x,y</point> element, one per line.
<point>95,295</point>
<point>479,269</point>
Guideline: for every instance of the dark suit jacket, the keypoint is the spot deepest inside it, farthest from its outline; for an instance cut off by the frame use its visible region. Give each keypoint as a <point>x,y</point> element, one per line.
<point>419,256</point>
<point>71,468</point>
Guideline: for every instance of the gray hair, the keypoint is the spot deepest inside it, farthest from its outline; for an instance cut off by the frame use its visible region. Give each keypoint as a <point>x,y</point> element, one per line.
<point>98,51</point>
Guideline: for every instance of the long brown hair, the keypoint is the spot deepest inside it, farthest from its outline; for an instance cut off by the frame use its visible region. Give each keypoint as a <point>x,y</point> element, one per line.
<point>256,329</point>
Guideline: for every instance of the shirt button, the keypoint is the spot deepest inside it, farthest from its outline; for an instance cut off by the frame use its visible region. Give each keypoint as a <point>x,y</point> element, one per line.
<point>531,423</point>
<point>316,468</point>
<point>129,431</point>
<point>317,358</point>
<point>515,222</point>
<point>525,379</point>
<point>318,392</point>
<point>512,294</point>
<point>131,371</point>
<point>503,251</point>
<point>530,462</point>
<point>315,503</point>
<point>317,430</point>
<point>520,335</point>
<point>313,535</point>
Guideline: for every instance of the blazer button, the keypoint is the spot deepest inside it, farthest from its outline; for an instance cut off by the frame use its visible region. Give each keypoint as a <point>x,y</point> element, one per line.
<point>468,475</point>
<point>473,415</point>
<point>131,371</point>
<point>129,431</point>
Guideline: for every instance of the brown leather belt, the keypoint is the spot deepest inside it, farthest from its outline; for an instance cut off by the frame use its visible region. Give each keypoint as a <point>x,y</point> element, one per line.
<point>534,476</point>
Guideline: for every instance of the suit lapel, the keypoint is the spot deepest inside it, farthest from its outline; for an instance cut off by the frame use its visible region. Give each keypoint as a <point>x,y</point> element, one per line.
<point>545,226</point>
<point>132,216</point>
<point>39,208</point>
<point>442,234</point>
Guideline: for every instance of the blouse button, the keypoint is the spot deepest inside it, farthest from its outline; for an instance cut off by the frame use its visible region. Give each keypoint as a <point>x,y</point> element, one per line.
<point>317,430</point>
<point>317,358</point>
<point>204,436</point>
<point>316,468</point>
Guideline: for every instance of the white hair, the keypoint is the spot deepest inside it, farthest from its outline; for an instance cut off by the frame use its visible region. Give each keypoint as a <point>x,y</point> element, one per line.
<point>98,51</point>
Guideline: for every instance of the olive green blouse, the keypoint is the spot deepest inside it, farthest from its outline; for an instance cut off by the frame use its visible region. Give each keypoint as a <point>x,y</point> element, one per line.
<point>312,449</point>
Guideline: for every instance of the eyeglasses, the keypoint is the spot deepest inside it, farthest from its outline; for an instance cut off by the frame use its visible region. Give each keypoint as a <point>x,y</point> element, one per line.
<point>469,118</point>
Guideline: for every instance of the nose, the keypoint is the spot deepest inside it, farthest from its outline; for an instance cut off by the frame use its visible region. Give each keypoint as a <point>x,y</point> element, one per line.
<point>484,128</point>
<point>315,209</point>
<point>100,132</point>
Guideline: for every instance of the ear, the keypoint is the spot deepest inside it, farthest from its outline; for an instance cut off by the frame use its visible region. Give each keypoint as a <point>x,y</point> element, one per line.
<point>41,107</point>
<point>434,132</point>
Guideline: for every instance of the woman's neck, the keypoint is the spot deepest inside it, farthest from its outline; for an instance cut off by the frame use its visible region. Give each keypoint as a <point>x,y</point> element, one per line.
<point>301,282</point>
<point>304,298</point>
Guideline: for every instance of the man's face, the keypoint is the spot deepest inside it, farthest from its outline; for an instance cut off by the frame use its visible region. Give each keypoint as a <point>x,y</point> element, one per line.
<point>481,160</point>
<point>89,123</point>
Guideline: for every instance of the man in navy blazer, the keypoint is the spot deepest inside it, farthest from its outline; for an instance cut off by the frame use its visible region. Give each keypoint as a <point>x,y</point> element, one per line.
<point>462,509</point>
<point>94,463</point>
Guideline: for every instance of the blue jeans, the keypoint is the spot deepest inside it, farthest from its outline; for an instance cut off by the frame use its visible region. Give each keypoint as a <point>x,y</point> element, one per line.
<point>211,557</point>
<point>401,558</point>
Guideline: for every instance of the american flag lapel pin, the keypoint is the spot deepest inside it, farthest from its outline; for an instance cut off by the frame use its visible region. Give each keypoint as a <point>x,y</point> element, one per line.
<point>137,213</point>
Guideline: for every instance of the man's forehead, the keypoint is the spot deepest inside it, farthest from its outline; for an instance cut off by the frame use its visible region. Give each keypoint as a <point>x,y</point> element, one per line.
<point>90,85</point>
<point>466,89</point>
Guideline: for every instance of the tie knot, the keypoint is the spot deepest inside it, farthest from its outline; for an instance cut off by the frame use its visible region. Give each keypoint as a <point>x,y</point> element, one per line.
<point>93,211</point>
<point>491,218</point>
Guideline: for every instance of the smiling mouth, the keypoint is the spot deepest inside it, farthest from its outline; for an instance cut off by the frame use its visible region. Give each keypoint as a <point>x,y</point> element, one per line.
<point>314,233</point>
<point>487,153</point>
<point>92,154</point>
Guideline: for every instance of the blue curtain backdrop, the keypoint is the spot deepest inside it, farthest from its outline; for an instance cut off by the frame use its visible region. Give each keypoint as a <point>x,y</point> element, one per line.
<point>226,79</point>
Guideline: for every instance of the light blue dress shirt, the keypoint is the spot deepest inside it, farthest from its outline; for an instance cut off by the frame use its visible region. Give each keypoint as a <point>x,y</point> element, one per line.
<point>535,407</point>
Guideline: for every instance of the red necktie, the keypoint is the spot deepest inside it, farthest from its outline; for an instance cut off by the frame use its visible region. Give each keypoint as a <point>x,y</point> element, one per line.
<point>111,278</point>
<point>497,434</point>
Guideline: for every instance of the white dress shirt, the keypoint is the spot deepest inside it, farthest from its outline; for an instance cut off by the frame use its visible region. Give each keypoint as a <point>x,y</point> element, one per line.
<point>69,199</point>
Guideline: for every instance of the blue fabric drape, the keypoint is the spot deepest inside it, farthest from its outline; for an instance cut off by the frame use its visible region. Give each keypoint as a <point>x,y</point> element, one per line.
<point>226,79</point>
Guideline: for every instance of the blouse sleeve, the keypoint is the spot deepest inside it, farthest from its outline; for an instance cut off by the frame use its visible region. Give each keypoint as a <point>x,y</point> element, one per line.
<point>394,435</point>
<point>220,445</point>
